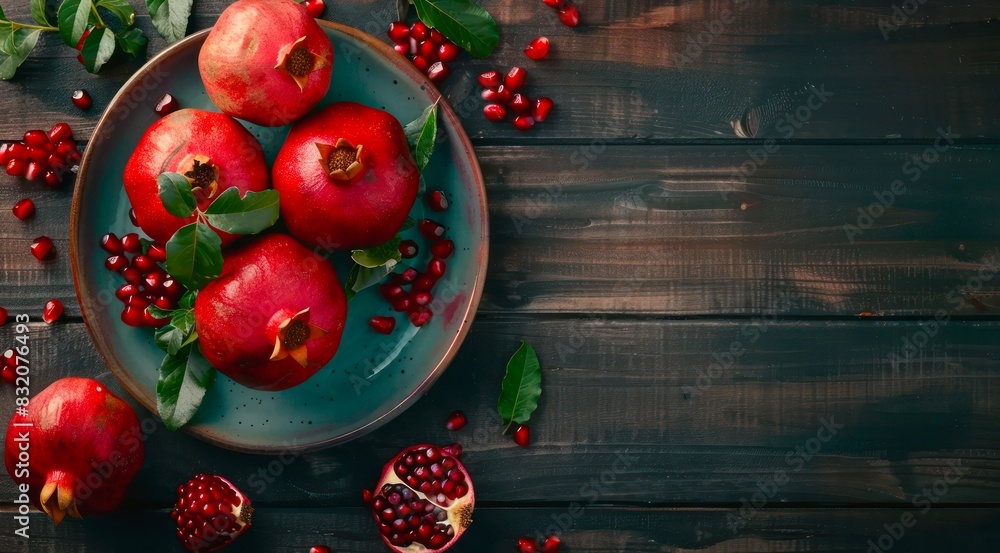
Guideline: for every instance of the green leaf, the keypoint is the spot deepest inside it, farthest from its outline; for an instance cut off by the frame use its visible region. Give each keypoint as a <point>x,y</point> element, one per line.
<point>175,193</point>
<point>421,134</point>
<point>183,320</point>
<point>184,379</point>
<point>132,42</point>
<point>169,338</point>
<point>38,12</point>
<point>98,49</point>
<point>248,215</point>
<point>74,16</point>
<point>463,22</point>
<point>187,300</point>
<point>14,49</point>
<point>377,256</point>
<point>121,9</point>
<point>407,224</point>
<point>194,255</point>
<point>522,385</point>
<point>362,277</point>
<point>170,17</point>
<point>158,313</point>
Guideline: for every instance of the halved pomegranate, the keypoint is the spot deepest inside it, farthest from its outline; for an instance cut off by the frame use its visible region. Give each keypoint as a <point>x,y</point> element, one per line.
<point>424,499</point>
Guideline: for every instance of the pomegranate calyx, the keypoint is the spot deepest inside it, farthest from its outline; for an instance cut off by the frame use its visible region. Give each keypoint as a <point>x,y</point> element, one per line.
<point>341,161</point>
<point>203,176</point>
<point>293,335</point>
<point>298,62</point>
<point>57,498</point>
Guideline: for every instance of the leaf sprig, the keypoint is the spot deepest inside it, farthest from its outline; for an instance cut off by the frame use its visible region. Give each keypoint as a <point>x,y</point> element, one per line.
<point>521,387</point>
<point>462,22</point>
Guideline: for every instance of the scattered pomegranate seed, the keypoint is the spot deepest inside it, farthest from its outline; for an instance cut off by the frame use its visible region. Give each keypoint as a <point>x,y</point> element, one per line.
<point>456,421</point>
<point>111,244</point>
<point>554,4</point>
<point>409,275</point>
<point>131,243</point>
<point>424,283</point>
<point>34,171</point>
<point>569,15</point>
<point>323,548</point>
<point>541,110</point>
<point>551,544</point>
<point>420,316</point>
<point>133,316</point>
<point>42,249</point>
<point>522,436</point>
<point>494,112</point>
<point>438,72</point>
<point>526,545</point>
<point>448,52</point>
<point>514,79</point>
<point>442,249</point>
<point>60,132</point>
<point>53,310</point>
<point>436,268</point>
<point>431,230</point>
<point>36,138</point>
<point>157,254</point>
<point>3,316</point>
<point>421,63</point>
<point>520,103</point>
<point>422,298</point>
<point>391,292</point>
<point>523,122</point>
<point>24,209</point>
<point>314,7</point>
<point>399,32</point>
<point>437,37</point>
<point>538,48</point>
<point>437,201</point>
<point>143,263</point>
<point>419,31</point>
<point>131,274</point>
<point>366,496</point>
<point>402,305</point>
<point>166,105</point>
<point>132,217</point>
<point>82,100</point>
<point>382,325</point>
<point>490,79</point>
<point>8,372</point>
<point>126,291</point>
<point>408,249</point>
<point>17,167</point>
<point>116,263</point>
<point>489,94</point>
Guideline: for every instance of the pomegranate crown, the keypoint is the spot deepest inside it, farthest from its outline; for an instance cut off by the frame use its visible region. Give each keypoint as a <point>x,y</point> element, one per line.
<point>341,161</point>
<point>293,335</point>
<point>298,62</point>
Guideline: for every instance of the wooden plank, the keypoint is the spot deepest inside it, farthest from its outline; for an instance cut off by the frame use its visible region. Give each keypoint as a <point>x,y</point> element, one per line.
<point>596,529</point>
<point>661,230</point>
<point>634,72</point>
<point>697,425</point>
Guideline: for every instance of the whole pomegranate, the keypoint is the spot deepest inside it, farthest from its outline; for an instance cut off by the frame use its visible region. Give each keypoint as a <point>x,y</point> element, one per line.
<point>210,513</point>
<point>266,61</point>
<point>211,149</point>
<point>274,316</point>
<point>77,447</point>
<point>345,177</point>
<point>424,499</point>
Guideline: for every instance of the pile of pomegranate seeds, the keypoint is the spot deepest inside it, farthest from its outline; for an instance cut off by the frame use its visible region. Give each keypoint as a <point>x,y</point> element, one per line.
<point>529,545</point>
<point>53,310</point>
<point>427,48</point>
<point>81,99</point>
<point>42,156</point>
<point>538,48</point>
<point>146,283</point>
<point>568,14</point>
<point>502,93</point>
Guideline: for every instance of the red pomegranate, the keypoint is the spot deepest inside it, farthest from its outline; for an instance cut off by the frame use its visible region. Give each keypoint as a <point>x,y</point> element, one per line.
<point>424,499</point>
<point>266,61</point>
<point>345,177</point>
<point>212,150</point>
<point>274,316</point>
<point>77,448</point>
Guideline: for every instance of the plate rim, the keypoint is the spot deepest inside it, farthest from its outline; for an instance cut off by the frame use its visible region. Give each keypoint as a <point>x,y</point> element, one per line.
<point>148,401</point>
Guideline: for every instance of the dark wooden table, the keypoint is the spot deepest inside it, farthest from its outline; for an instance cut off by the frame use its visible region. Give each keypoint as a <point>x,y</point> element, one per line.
<point>752,340</point>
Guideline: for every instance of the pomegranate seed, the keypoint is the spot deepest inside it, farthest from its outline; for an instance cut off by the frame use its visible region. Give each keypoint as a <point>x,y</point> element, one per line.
<point>3,153</point>
<point>520,103</point>
<point>409,275</point>
<point>382,325</point>
<point>526,545</point>
<point>402,49</point>
<point>126,291</point>
<point>538,48</point>
<point>421,63</point>
<point>53,310</point>
<point>82,100</point>
<point>408,249</point>
<point>569,15</point>
<point>448,52</point>
<point>551,544</point>
<point>541,110</point>
<point>366,496</point>
<point>315,8</point>
<point>490,79</point>
<point>60,132</point>
<point>402,305</point>
<point>504,94</point>
<point>34,171</point>
<point>323,548</point>
<point>36,138</point>
<point>420,316</point>
<point>38,154</point>
<point>438,72</point>
<point>173,289</point>
<point>515,79</point>
<point>149,320</point>
<point>431,230</point>
<point>456,421</point>
<point>399,32</point>
<point>424,283</point>
<point>51,178</point>
<point>138,302</point>
<point>116,263</point>
<point>24,209</point>
<point>422,298</point>
<point>489,94</point>
<point>419,31</point>
<point>523,122</point>
<point>157,254</point>
<point>442,249</point>
<point>3,316</point>
<point>428,50</point>
<point>132,217</point>
<point>554,4</point>
<point>131,243</point>
<point>391,292</point>
<point>437,37</point>
<point>133,316</point>
<point>494,112</point>
<point>436,268</point>
<point>143,263</point>
<point>166,105</point>
<point>17,167</point>
<point>17,151</point>
<point>131,274</point>
<point>522,436</point>
<point>414,46</point>
<point>111,244</point>
<point>437,201</point>
<point>42,249</point>
<point>154,282</point>
<point>66,149</point>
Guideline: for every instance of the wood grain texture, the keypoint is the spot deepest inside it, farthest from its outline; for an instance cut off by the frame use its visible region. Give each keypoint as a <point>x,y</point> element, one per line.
<point>621,76</point>
<point>597,529</point>
<point>694,423</point>
<point>662,230</point>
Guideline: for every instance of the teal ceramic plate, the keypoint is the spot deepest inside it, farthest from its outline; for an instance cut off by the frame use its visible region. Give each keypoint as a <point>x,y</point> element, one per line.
<point>373,377</point>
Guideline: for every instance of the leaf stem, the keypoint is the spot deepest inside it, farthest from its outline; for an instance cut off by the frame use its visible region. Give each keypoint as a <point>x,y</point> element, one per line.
<point>14,25</point>
<point>93,8</point>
